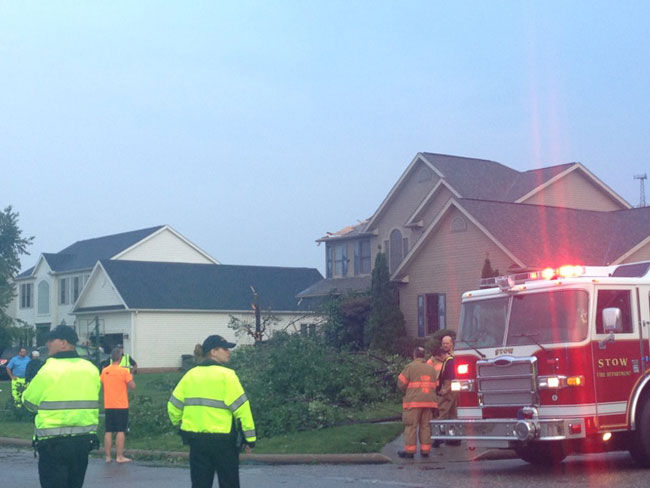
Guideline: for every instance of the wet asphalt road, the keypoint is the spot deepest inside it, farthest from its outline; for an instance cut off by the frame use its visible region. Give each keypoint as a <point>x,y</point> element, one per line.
<point>18,469</point>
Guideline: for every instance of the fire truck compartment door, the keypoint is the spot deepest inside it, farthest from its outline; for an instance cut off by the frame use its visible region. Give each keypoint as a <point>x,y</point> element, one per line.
<point>617,360</point>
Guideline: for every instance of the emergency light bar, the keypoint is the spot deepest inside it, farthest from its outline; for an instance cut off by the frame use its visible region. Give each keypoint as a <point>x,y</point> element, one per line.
<point>508,281</point>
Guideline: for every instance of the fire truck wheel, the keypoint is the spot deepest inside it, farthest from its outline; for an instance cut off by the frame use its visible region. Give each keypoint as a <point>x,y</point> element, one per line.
<point>640,447</point>
<point>542,453</point>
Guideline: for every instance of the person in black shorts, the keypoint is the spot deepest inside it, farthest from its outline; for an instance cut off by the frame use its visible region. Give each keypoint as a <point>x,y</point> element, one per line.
<point>116,380</point>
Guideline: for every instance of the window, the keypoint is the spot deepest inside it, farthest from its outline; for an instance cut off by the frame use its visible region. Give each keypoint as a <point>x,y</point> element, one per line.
<point>458,224</point>
<point>308,330</point>
<point>362,257</point>
<point>43,297</point>
<point>431,313</point>
<point>337,260</point>
<point>565,318</point>
<point>396,246</point>
<point>614,299</point>
<point>26,297</point>
<point>76,288</point>
<point>63,291</point>
<point>424,174</point>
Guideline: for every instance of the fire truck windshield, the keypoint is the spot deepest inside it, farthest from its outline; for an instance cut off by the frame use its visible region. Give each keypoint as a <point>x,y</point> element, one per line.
<point>534,318</point>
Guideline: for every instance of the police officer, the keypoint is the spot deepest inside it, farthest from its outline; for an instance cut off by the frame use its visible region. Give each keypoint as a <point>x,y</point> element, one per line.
<point>65,395</point>
<point>205,404</point>
<point>16,371</point>
<point>125,362</point>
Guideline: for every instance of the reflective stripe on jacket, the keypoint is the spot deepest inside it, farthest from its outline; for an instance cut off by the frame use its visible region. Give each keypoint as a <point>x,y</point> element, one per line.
<point>419,381</point>
<point>207,398</point>
<point>65,395</point>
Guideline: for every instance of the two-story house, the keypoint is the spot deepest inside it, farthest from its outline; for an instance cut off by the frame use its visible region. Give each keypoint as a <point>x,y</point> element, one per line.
<point>446,214</point>
<point>47,292</point>
<point>153,286</point>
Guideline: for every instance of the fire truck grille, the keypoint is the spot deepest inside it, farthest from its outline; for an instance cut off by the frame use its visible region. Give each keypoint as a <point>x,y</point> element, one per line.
<point>507,382</point>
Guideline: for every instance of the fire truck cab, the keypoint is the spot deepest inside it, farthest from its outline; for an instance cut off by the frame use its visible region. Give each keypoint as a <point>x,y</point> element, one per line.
<point>555,362</point>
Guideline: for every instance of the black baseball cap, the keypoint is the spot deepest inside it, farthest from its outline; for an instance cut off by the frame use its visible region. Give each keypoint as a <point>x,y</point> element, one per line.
<point>216,341</point>
<point>63,332</point>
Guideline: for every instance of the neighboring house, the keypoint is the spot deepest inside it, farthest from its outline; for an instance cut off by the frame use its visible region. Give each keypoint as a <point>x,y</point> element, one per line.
<point>446,214</point>
<point>162,310</point>
<point>47,292</point>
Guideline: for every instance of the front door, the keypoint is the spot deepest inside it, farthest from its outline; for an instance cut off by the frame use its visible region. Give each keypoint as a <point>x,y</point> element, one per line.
<point>617,356</point>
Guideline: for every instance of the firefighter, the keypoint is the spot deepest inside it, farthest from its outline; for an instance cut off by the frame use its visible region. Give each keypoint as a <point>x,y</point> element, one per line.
<point>65,395</point>
<point>206,403</point>
<point>447,399</point>
<point>418,381</point>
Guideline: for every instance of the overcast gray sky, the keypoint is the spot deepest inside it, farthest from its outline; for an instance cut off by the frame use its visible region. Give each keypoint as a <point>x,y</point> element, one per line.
<point>255,127</point>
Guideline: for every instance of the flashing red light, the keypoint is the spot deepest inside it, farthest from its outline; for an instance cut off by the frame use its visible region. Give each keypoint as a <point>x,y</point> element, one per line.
<point>566,271</point>
<point>462,369</point>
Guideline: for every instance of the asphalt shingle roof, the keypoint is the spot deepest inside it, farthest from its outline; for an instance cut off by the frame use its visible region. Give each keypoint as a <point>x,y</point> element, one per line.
<point>184,286</point>
<point>474,178</point>
<point>483,179</point>
<point>551,236</point>
<point>337,286</point>
<point>84,254</point>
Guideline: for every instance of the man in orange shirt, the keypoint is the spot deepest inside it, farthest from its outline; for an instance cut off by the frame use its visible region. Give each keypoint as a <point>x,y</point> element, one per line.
<point>116,380</point>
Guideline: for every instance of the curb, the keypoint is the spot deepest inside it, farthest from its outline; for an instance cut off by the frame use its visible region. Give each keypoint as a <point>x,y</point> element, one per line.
<point>370,458</point>
<point>279,459</point>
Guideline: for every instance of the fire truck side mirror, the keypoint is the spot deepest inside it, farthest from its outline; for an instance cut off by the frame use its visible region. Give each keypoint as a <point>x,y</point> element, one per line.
<point>611,320</point>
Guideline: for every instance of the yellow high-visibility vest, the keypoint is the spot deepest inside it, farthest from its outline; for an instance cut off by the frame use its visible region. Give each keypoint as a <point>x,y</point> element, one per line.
<point>125,362</point>
<point>207,398</point>
<point>65,395</point>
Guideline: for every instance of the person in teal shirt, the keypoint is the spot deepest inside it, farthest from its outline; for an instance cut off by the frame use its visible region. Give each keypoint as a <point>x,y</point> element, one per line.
<point>16,369</point>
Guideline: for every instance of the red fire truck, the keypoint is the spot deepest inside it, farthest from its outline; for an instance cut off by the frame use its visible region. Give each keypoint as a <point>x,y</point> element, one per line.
<point>554,362</point>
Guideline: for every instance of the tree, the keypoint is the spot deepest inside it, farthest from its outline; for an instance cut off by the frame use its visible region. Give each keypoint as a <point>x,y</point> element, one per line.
<point>345,321</point>
<point>260,329</point>
<point>12,246</point>
<point>488,271</point>
<point>386,326</point>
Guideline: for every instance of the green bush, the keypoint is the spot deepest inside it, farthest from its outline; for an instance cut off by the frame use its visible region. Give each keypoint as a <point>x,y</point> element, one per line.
<point>298,383</point>
<point>148,417</point>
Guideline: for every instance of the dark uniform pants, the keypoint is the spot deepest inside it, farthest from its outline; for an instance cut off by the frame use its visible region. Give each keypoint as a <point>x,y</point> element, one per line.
<point>62,461</point>
<point>212,453</point>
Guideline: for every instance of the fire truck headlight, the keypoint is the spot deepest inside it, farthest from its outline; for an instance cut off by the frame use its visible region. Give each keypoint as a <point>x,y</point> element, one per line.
<point>462,385</point>
<point>553,382</point>
<point>557,382</point>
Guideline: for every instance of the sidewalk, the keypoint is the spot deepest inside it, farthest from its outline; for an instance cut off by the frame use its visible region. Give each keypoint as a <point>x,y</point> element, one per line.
<point>443,454</point>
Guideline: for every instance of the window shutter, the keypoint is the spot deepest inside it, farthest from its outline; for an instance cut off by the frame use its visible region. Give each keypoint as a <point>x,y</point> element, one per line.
<point>345,259</point>
<point>420,315</point>
<point>330,260</point>
<point>357,256</point>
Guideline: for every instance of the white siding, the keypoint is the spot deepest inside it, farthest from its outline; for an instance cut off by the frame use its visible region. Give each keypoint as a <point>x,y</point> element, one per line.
<point>165,247</point>
<point>99,292</point>
<point>160,338</point>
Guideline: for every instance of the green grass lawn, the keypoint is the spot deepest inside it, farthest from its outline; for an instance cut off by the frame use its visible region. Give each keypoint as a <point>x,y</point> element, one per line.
<point>353,438</point>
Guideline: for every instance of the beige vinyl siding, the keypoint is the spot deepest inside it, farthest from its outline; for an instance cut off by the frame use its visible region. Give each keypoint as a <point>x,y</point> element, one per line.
<point>575,190</point>
<point>449,263</point>
<point>166,247</point>
<point>429,213</point>
<point>642,254</point>
<point>402,205</point>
